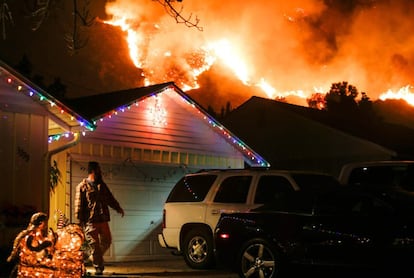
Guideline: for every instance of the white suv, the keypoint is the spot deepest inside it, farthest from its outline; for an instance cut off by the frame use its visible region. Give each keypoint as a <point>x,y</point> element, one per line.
<point>194,205</point>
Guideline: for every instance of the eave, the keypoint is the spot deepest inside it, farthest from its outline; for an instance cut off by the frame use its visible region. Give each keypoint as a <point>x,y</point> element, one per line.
<point>64,118</point>
<point>114,103</point>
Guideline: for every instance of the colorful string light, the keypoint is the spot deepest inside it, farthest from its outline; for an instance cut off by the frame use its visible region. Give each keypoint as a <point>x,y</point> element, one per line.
<point>158,114</point>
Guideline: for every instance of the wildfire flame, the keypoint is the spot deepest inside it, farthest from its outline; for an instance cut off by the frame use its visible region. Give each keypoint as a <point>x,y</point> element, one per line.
<point>184,69</point>
<point>403,93</point>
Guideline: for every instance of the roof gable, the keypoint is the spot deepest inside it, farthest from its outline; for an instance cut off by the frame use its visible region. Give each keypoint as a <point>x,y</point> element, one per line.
<point>106,107</point>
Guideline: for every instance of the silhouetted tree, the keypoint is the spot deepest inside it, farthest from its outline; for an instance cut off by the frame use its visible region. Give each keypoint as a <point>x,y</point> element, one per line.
<point>24,66</point>
<point>57,89</point>
<point>341,99</point>
<point>225,110</point>
<point>366,109</point>
<point>365,104</point>
<point>39,80</point>
<point>210,110</point>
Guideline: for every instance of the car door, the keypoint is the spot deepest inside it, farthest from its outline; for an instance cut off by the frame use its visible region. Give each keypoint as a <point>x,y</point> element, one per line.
<point>348,228</point>
<point>231,195</point>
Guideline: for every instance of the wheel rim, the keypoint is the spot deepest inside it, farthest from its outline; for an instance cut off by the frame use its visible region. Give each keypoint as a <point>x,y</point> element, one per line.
<point>197,249</point>
<point>258,261</point>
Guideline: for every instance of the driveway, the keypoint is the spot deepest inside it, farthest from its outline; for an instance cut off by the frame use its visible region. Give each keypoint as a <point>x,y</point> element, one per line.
<point>166,266</point>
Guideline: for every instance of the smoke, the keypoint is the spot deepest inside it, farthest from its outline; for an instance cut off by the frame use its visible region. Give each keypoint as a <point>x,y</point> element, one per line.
<point>293,45</point>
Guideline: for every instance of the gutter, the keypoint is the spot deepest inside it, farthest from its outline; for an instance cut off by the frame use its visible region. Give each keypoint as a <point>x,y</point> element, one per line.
<point>47,161</point>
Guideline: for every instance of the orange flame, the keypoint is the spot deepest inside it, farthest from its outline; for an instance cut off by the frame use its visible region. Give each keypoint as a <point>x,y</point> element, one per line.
<point>221,50</point>
<point>403,93</point>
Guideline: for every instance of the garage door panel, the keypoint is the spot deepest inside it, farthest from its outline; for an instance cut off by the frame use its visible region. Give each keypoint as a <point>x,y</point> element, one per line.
<point>141,190</point>
<point>134,224</point>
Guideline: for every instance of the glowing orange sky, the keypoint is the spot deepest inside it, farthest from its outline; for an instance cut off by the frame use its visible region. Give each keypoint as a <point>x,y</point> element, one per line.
<point>295,46</point>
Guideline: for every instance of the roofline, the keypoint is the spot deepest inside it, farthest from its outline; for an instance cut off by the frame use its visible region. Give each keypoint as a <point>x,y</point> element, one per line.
<point>34,90</point>
<point>250,155</point>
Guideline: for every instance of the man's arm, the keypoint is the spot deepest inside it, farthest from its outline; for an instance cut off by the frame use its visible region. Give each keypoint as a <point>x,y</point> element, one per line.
<point>112,202</point>
<point>79,210</point>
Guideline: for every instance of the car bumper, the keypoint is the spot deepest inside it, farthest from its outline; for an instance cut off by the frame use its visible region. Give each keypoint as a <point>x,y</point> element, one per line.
<point>161,241</point>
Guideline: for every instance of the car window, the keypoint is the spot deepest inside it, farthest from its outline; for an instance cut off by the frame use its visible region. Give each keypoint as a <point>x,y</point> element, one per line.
<point>378,175</point>
<point>351,203</point>
<point>291,202</point>
<point>233,190</point>
<point>272,188</point>
<point>384,175</point>
<point>191,188</point>
<point>315,183</point>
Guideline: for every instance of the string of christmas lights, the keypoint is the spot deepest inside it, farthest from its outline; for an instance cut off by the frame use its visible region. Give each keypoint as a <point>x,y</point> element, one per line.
<point>44,99</point>
<point>170,90</point>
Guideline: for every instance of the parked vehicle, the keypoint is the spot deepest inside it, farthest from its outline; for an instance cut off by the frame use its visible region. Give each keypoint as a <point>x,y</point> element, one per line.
<point>345,227</point>
<point>392,179</point>
<point>392,173</point>
<point>196,202</point>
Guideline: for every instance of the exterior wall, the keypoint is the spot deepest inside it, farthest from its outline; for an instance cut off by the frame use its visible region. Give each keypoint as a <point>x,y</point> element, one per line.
<point>23,147</point>
<point>60,198</point>
<point>23,144</point>
<point>155,155</point>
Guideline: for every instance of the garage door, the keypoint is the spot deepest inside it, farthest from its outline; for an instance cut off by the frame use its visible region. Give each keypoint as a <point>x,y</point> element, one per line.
<point>141,189</point>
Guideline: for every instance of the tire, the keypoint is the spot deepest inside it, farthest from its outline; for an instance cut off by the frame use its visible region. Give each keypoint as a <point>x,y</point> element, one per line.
<point>198,249</point>
<point>259,259</point>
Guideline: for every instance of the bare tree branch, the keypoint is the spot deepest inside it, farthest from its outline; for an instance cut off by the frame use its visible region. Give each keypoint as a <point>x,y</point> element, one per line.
<point>40,13</point>
<point>177,14</point>
<point>5,16</point>
<point>75,40</point>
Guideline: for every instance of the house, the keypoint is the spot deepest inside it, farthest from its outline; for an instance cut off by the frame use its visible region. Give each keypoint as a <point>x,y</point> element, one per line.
<point>145,139</point>
<point>28,116</point>
<point>297,137</point>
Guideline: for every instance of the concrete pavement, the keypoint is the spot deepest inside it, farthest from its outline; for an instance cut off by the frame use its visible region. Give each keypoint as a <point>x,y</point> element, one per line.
<point>165,266</point>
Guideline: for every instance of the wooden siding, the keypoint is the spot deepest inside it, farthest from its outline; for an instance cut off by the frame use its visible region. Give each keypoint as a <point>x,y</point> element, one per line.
<point>118,153</point>
<point>24,144</point>
<point>186,136</point>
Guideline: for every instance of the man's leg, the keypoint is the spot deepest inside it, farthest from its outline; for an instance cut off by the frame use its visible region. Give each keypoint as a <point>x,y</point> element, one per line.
<point>92,236</point>
<point>105,236</point>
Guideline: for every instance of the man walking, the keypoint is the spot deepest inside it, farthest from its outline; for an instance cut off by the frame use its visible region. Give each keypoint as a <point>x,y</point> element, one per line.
<point>92,200</point>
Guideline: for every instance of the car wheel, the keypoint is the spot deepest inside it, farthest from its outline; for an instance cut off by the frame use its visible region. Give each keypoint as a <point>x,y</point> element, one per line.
<point>198,249</point>
<point>259,259</point>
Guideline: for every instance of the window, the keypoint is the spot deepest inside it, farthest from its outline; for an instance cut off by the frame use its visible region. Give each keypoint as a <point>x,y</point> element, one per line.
<point>387,175</point>
<point>314,182</point>
<point>271,189</point>
<point>233,190</point>
<point>191,188</point>
<point>350,203</point>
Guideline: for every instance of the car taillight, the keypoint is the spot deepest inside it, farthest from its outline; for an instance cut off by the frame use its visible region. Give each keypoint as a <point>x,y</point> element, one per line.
<point>163,218</point>
<point>224,236</point>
